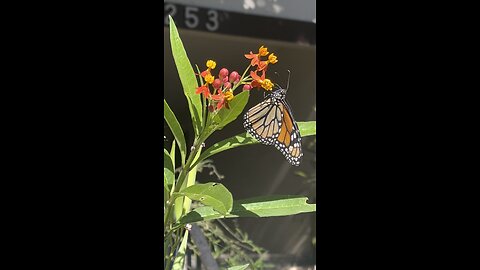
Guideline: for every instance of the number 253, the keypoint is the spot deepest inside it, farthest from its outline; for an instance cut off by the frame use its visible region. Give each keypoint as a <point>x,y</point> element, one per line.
<point>191,17</point>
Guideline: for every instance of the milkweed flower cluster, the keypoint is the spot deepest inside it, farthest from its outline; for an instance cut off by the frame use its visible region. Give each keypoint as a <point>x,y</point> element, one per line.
<point>219,91</point>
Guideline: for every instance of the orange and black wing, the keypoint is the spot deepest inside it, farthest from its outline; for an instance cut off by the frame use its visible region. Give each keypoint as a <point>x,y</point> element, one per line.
<point>264,121</point>
<point>289,141</point>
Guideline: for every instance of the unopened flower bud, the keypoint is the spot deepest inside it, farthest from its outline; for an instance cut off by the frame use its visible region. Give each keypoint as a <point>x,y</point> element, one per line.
<point>217,83</point>
<point>247,87</point>
<point>227,85</point>
<point>234,77</point>
<point>223,73</point>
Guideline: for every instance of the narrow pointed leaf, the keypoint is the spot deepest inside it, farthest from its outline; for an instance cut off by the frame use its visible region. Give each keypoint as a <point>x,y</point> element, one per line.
<point>306,129</point>
<point>176,129</point>
<point>168,175</point>
<point>239,267</point>
<point>172,154</point>
<point>191,178</point>
<point>236,106</point>
<point>267,206</point>
<point>168,171</point>
<point>187,77</point>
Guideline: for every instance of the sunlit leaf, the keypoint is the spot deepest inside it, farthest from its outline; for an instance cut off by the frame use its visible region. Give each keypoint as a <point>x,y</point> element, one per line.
<point>187,77</point>
<point>168,170</point>
<point>191,178</point>
<point>267,206</point>
<point>168,175</point>
<point>176,129</point>
<point>236,106</point>
<point>239,267</point>
<point>212,194</point>
<point>306,129</point>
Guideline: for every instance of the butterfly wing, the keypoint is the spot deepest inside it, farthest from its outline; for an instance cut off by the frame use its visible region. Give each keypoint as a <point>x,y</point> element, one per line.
<point>272,123</point>
<point>289,141</point>
<point>264,120</point>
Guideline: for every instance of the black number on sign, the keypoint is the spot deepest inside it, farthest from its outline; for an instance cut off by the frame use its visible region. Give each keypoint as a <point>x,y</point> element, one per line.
<point>194,16</point>
<point>212,24</point>
<point>191,19</point>
<point>169,9</point>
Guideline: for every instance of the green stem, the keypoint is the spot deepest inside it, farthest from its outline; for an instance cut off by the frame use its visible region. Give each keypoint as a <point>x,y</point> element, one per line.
<point>245,72</point>
<point>185,170</point>
<point>178,186</point>
<point>241,79</point>
<point>167,243</point>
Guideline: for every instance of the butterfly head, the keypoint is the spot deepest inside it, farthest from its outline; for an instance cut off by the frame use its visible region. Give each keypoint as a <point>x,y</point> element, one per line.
<point>279,93</point>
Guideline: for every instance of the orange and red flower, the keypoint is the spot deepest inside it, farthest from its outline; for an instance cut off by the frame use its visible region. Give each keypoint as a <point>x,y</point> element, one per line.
<point>256,61</point>
<point>262,51</point>
<point>204,90</point>
<point>225,83</point>
<point>223,98</point>
<point>260,81</point>
<point>209,79</point>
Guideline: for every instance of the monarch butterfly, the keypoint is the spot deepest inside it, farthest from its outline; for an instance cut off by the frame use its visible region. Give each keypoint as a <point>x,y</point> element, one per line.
<point>271,122</point>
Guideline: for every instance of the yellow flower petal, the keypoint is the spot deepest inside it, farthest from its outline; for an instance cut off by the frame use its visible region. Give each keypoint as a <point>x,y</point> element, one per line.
<point>267,85</point>
<point>209,78</point>
<point>272,58</point>
<point>229,95</point>
<point>263,51</point>
<point>211,64</point>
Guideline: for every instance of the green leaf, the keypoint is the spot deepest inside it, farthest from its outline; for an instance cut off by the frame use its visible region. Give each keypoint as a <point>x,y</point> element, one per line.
<point>273,206</point>
<point>172,153</point>
<point>232,142</point>
<point>166,193</point>
<point>212,194</point>
<point>172,156</point>
<point>187,77</point>
<point>239,267</point>
<point>191,178</point>
<point>168,170</point>
<point>236,106</point>
<point>176,129</point>
<point>266,206</point>
<point>178,207</point>
<point>200,214</point>
<point>306,129</point>
<point>182,204</point>
<point>168,175</point>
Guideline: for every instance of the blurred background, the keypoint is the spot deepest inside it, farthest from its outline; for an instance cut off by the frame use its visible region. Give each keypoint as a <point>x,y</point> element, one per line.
<point>224,31</point>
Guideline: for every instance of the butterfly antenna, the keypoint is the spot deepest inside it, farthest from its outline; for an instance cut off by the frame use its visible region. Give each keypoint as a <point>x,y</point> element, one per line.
<point>288,80</point>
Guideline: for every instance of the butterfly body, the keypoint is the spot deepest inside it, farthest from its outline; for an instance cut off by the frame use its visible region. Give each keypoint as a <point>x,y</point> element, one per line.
<point>271,122</point>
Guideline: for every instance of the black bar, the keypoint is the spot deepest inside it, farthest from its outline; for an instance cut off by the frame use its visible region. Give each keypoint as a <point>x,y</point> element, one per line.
<point>239,24</point>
